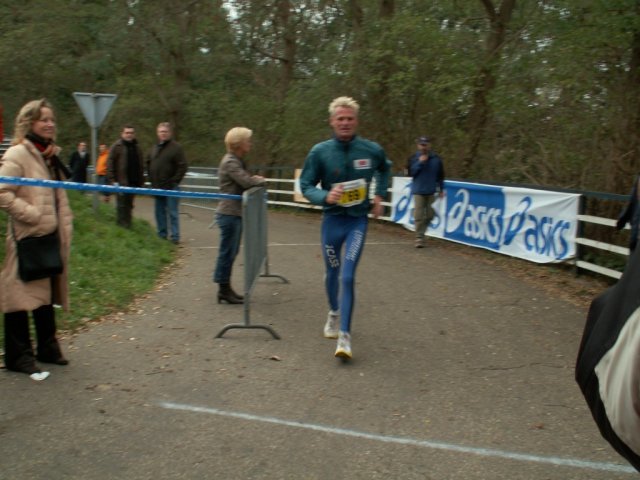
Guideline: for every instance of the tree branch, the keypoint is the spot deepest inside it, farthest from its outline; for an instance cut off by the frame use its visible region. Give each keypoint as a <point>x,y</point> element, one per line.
<point>491,10</point>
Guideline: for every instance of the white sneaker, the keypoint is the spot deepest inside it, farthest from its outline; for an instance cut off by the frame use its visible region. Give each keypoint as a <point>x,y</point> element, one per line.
<point>39,376</point>
<point>331,327</point>
<point>344,345</point>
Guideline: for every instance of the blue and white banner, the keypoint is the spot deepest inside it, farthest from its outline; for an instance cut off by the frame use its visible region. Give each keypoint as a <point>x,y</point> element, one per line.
<point>536,225</point>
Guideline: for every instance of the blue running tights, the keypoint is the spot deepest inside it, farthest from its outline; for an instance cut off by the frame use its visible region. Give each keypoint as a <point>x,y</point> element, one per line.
<point>339,230</point>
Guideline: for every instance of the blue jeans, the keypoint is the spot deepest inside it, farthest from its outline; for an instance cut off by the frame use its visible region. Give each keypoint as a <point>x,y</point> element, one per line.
<point>230,234</point>
<point>168,206</point>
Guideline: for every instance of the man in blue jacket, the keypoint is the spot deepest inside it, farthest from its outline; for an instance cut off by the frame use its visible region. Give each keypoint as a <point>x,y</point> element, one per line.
<point>344,167</point>
<point>427,171</point>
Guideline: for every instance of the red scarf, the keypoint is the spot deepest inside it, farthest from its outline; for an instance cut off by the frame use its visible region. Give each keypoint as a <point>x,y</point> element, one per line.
<point>47,149</point>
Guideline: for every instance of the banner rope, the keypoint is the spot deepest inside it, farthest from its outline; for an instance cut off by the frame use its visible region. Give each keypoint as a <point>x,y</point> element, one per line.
<point>91,187</point>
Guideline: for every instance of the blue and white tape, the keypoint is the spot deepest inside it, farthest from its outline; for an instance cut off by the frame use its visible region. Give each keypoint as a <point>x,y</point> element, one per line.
<point>91,187</point>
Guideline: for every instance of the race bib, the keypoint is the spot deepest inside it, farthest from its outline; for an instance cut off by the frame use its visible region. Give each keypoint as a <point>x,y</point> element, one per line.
<point>354,192</point>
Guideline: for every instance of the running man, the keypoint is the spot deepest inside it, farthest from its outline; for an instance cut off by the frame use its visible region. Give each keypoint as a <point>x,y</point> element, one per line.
<point>344,166</point>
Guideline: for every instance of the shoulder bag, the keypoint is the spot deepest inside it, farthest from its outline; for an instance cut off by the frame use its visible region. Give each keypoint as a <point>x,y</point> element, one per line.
<point>38,257</point>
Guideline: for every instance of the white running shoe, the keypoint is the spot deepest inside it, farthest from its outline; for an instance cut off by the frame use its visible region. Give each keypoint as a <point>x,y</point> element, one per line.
<point>331,327</point>
<point>344,346</point>
<point>39,376</point>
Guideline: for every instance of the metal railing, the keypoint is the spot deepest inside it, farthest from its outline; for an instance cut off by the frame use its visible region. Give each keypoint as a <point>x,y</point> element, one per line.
<point>582,241</point>
<point>5,143</point>
<point>206,179</point>
<point>281,193</point>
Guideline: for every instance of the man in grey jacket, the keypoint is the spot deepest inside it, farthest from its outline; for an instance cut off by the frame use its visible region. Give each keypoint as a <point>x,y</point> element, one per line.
<point>166,166</point>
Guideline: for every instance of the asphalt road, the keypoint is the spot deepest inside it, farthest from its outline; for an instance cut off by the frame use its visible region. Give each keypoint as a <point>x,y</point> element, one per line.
<point>461,370</point>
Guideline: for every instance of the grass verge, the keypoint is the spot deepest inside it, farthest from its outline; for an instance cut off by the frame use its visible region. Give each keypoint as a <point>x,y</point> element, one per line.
<point>109,265</point>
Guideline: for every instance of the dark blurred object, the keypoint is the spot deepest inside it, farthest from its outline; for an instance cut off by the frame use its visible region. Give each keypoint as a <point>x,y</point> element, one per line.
<point>607,368</point>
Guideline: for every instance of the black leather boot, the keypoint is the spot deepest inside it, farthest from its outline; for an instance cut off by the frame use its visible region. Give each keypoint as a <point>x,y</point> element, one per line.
<point>48,346</point>
<point>235,294</point>
<point>18,352</point>
<point>225,293</point>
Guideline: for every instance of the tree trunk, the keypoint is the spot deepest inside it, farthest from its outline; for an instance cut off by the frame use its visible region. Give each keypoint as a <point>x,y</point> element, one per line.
<point>387,8</point>
<point>485,79</point>
<point>380,90</point>
<point>289,51</point>
<point>626,145</point>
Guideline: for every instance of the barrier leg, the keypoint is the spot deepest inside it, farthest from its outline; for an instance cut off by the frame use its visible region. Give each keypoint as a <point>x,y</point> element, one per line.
<point>267,274</point>
<point>242,325</point>
<point>247,324</point>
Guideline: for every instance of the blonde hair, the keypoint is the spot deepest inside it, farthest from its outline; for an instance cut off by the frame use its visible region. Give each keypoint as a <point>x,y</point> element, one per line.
<point>28,114</point>
<point>235,137</point>
<point>346,102</point>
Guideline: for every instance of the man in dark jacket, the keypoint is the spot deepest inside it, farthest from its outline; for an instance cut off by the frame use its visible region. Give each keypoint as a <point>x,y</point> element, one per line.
<point>631,215</point>
<point>425,167</point>
<point>125,168</point>
<point>78,163</point>
<point>166,166</point>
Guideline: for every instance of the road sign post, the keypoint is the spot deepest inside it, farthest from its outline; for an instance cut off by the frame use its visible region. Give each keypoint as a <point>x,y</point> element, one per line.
<point>94,107</point>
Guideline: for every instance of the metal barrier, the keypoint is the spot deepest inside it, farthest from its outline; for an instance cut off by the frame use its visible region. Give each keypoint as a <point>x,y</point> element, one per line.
<point>201,179</point>
<point>200,183</point>
<point>283,190</point>
<point>607,247</point>
<point>254,226</point>
<point>582,241</point>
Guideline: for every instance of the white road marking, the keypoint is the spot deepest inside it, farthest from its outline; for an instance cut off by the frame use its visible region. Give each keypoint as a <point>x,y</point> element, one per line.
<point>451,447</point>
